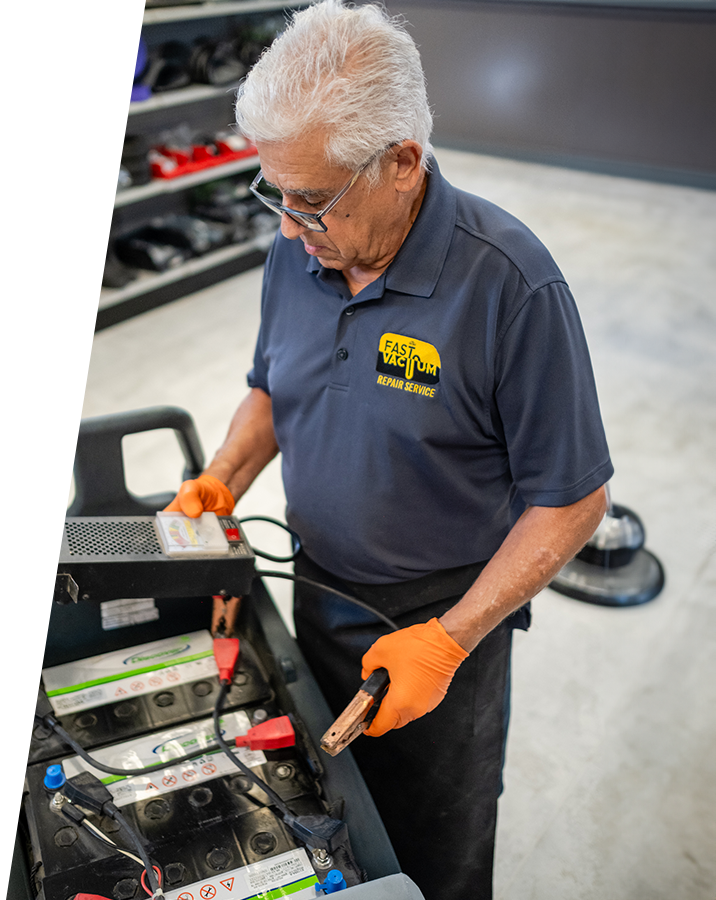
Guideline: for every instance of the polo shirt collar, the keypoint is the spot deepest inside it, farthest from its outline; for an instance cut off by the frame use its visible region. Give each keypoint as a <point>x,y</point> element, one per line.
<point>420,260</point>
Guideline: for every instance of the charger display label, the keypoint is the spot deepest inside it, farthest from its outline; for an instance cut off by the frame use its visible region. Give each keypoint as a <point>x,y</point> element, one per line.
<point>183,537</point>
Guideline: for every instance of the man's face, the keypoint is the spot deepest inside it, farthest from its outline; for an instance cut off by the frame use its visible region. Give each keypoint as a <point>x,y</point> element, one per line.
<point>363,225</point>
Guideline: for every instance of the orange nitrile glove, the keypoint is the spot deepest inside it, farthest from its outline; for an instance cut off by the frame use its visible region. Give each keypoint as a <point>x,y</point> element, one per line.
<point>203,494</point>
<point>421,661</point>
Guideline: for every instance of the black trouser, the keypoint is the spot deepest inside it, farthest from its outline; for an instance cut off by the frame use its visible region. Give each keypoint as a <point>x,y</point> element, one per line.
<point>436,781</point>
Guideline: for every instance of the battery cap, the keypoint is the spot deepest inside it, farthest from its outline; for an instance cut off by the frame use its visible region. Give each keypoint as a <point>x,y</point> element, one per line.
<point>334,882</point>
<point>54,778</point>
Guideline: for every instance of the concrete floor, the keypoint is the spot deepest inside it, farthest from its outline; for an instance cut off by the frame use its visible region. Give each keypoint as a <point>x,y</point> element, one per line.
<point>611,766</point>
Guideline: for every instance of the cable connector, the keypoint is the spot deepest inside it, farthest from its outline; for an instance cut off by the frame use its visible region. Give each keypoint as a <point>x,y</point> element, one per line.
<point>318,832</point>
<point>270,735</point>
<point>88,791</point>
<point>43,706</point>
<point>73,813</point>
<point>89,897</point>
<point>226,653</point>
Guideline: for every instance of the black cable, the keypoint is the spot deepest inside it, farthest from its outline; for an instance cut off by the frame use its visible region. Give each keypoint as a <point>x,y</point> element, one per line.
<point>315,831</point>
<point>324,587</point>
<point>78,817</point>
<point>245,770</point>
<point>269,556</point>
<point>109,770</point>
<point>85,790</point>
<point>302,578</point>
<point>105,839</point>
<point>134,838</point>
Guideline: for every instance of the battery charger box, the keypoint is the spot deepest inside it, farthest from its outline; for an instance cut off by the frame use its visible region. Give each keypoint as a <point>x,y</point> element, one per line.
<point>168,555</point>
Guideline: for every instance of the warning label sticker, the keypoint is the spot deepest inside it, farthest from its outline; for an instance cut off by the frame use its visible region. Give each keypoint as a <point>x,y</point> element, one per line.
<point>121,613</point>
<point>163,747</point>
<point>87,683</point>
<point>287,875</point>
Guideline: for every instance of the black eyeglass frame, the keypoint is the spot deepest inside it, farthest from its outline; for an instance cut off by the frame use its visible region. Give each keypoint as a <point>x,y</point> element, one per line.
<point>312,221</point>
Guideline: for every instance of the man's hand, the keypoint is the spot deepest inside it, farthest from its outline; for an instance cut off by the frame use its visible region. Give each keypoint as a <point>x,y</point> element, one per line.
<point>421,661</point>
<point>203,494</point>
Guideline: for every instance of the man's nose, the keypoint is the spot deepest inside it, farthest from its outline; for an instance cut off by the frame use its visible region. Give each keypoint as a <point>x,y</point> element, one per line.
<point>290,228</point>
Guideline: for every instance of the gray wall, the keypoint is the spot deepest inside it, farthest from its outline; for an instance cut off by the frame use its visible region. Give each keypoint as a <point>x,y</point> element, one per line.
<point>624,90</point>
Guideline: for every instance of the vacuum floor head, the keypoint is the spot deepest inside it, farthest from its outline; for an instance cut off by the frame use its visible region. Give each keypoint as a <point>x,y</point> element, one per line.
<point>614,568</point>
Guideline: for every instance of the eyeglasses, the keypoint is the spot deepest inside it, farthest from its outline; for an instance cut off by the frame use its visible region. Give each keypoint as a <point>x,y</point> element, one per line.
<point>314,221</point>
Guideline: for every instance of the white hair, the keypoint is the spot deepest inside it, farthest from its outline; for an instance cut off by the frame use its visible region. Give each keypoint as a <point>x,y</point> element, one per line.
<point>352,71</point>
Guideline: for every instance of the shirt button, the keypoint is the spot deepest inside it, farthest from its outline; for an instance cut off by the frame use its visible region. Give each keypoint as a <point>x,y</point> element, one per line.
<point>342,353</point>
<point>349,310</point>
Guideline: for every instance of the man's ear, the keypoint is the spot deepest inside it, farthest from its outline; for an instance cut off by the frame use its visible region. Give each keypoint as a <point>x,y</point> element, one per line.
<point>408,169</point>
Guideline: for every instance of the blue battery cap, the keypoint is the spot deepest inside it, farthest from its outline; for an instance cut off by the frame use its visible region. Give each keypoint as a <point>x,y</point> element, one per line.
<point>54,778</point>
<point>334,882</point>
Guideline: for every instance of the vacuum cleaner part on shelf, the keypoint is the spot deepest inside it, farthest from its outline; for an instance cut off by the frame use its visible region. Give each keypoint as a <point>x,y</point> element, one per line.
<point>253,40</point>
<point>166,242</point>
<point>176,64</point>
<point>141,91</point>
<point>172,162</point>
<point>613,568</point>
<point>135,159</point>
<point>169,67</point>
<point>215,62</point>
<point>141,249</point>
<point>116,274</point>
<point>231,205</point>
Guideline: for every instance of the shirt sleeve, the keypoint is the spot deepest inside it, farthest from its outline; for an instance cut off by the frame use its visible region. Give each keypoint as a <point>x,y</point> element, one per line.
<point>546,402</point>
<point>258,375</point>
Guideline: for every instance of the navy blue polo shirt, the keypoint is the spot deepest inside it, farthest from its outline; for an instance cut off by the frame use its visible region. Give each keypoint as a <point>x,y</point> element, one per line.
<point>418,418</point>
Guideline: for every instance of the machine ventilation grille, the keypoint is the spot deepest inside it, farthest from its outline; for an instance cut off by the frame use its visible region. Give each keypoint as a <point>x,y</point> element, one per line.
<point>112,537</point>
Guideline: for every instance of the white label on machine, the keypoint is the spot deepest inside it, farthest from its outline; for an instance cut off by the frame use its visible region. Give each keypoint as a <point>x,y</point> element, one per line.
<point>131,672</point>
<point>120,613</point>
<point>287,875</point>
<point>184,537</point>
<point>163,746</point>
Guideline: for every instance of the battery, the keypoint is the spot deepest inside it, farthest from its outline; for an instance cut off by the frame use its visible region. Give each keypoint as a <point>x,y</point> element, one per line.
<point>209,829</point>
<point>193,833</point>
<point>114,709</point>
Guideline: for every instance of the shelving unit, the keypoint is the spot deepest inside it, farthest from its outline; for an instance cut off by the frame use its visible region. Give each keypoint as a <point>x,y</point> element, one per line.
<point>193,104</point>
<point>183,182</point>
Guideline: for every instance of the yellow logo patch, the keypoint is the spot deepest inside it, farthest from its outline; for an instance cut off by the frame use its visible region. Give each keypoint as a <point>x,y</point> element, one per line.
<point>405,357</point>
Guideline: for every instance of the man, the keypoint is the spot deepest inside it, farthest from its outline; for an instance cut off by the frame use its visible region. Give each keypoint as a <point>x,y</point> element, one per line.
<point>422,369</point>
